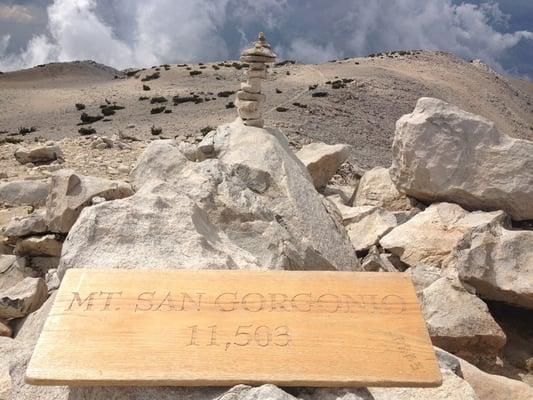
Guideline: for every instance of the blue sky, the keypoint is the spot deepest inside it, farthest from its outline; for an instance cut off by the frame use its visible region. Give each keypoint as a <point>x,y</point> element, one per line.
<point>127,33</point>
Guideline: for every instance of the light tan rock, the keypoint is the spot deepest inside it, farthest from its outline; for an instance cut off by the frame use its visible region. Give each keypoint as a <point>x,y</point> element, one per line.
<point>494,387</point>
<point>498,263</point>
<point>246,96</point>
<point>47,245</point>
<point>24,193</point>
<point>6,385</point>
<point>377,189</point>
<point>452,388</point>
<point>13,270</point>
<point>257,122</point>
<point>5,329</point>
<point>430,236</point>
<point>23,298</point>
<point>442,153</point>
<point>366,226</point>
<point>71,192</point>
<point>323,160</point>
<point>343,194</point>
<point>251,87</point>
<point>30,224</point>
<point>458,321</point>
<point>251,205</point>
<point>266,392</point>
<point>39,154</point>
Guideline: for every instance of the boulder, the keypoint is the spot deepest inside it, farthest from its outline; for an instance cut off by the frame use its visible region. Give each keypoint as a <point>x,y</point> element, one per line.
<point>377,189</point>
<point>47,245</point>
<point>13,270</point>
<point>252,205</point>
<point>23,298</point>
<point>458,321</point>
<point>452,388</point>
<point>374,261</point>
<point>494,387</point>
<point>71,192</point>
<point>25,226</point>
<point>266,392</point>
<point>5,330</point>
<point>430,236</point>
<point>368,224</point>
<point>24,193</point>
<point>442,153</point>
<point>323,160</point>
<point>498,263</point>
<point>41,154</point>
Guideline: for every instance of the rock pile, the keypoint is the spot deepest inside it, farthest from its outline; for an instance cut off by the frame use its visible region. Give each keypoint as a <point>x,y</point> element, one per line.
<point>241,198</point>
<point>249,98</point>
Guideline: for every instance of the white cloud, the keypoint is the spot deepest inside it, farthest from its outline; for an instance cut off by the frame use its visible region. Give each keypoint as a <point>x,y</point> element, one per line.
<point>16,13</point>
<point>126,33</point>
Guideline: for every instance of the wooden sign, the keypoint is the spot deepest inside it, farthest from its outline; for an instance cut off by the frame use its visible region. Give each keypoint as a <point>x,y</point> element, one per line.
<point>221,328</point>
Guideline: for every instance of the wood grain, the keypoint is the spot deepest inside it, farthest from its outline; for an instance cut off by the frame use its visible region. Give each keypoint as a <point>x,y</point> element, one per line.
<point>221,328</point>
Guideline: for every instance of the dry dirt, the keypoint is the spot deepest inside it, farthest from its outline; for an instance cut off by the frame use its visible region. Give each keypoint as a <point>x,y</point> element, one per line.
<point>362,114</point>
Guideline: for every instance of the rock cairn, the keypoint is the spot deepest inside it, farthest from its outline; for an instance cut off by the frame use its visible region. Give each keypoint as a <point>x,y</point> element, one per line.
<point>249,98</point>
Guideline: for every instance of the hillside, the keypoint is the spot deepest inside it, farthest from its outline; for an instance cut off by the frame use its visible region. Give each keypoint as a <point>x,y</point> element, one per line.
<point>362,112</point>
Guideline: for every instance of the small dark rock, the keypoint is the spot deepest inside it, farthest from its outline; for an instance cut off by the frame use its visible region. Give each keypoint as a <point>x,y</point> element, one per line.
<point>86,130</point>
<point>157,110</point>
<point>80,106</point>
<point>319,94</point>
<point>146,87</point>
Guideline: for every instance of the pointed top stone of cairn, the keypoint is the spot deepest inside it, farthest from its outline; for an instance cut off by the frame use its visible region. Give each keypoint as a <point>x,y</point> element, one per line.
<point>249,98</point>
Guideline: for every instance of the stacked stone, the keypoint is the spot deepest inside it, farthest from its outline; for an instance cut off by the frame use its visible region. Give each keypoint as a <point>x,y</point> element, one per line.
<point>249,98</point>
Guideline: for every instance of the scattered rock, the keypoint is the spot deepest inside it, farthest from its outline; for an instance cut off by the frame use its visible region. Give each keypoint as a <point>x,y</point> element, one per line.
<point>323,160</point>
<point>442,153</point>
<point>367,224</point>
<point>374,261</point>
<point>430,236</point>
<point>458,321</point>
<point>6,331</point>
<point>90,119</point>
<point>86,130</point>
<point>452,388</point>
<point>46,245</point>
<point>234,211</point>
<point>31,224</point>
<point>13,270</point>
<point>266,392</point>
<point>494,387</point>
<point>39,154</point>
<point>377,189</point>
<point>23,298</point>
<point>71,192</point>
<point>28,192</point>
<point>498,263</point>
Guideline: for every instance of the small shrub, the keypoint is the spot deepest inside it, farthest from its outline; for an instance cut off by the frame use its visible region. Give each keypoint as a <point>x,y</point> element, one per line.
<point>299,105</point>
<point>24,131</point>
<point>156,130</point>
<point>193,73</point>
<point>284,62</point>
<point>181,65</point>
<point>107,111</point>
<point>338,84</point>
<point>131,73</point>
<point>89,119</point>
<point>225,93</point>
<point>206,130</point>
<point>215,67</point>
<point>146,87</point>
<point>157,110</point>
<point>319,94</point>
<point>80,106</point>
<point>230,105</point>
<point>89,130</point>
<point>142,98</point>
<point>151,77</point>
<point>281,109</point>
<point>187,99</point>
<point>159,99</point>
<point>167,111</point>
<point>203,67</point>
<point>313,87</point>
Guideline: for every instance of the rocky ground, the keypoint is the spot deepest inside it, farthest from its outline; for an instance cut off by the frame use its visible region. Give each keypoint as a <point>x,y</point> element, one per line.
<point>449,200</point>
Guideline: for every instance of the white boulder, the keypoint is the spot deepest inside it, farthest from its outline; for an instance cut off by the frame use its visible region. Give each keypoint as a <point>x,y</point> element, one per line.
<point>430,236</point>
<point>442,153</point>
<point>323,160</point>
